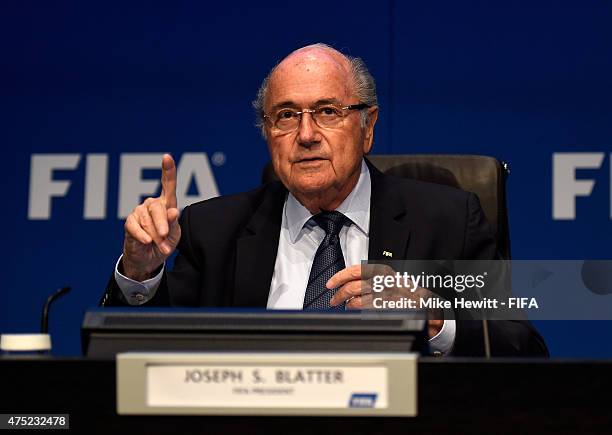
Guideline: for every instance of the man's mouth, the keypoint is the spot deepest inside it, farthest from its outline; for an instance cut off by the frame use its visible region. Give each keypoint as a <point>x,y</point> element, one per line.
<point>310,159</point>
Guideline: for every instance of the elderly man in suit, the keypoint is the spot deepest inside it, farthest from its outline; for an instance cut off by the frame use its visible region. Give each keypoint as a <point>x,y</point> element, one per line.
<point>298,243</point>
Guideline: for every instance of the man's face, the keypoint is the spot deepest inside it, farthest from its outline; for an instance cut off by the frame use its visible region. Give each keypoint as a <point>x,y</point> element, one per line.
<point>312,160</point>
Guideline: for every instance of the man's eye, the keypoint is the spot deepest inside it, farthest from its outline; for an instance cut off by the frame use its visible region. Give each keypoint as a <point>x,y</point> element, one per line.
<point>285,114</point>
<point>328,111</point>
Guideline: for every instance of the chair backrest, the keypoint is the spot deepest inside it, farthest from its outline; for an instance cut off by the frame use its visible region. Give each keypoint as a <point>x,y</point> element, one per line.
<point>482,175</point>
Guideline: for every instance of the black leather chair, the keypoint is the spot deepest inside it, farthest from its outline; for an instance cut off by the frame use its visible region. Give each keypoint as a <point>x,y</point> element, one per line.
<point>482,175</point>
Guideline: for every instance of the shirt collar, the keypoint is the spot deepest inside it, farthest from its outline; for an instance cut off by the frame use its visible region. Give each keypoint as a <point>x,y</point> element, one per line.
<point>356,207</point>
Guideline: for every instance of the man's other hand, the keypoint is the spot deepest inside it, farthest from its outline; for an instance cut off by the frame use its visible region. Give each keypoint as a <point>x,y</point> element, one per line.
<point>152,230</point>
<point>355,289</point>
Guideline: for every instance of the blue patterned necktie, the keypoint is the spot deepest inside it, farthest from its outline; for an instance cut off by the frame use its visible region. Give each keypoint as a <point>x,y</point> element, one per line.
<point>328,260</point>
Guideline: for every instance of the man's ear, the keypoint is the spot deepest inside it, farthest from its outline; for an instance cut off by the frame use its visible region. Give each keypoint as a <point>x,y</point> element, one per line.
<point>368,139</point>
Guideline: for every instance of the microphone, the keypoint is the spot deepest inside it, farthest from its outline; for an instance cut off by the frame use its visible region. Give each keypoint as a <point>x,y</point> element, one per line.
<point>44,321</point>
<point>486,336</point>
<point>597,276</point>
<point>39,343</point>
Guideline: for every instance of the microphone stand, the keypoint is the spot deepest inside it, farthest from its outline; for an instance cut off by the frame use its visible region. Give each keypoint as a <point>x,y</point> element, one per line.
<point>44,321</point>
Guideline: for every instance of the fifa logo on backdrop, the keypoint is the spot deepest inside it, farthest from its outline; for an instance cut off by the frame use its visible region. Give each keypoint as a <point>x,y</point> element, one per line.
<point>191,168</point>
<point>566,187</point>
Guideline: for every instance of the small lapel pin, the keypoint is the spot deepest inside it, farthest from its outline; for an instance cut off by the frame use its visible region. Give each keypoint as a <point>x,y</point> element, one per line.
<point>387,254</point>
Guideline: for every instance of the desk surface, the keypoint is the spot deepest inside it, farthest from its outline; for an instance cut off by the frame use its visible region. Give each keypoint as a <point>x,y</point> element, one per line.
<point>455,395</point>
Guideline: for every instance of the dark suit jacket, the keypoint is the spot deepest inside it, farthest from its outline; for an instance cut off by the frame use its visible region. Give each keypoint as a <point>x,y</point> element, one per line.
<point>228,250</point>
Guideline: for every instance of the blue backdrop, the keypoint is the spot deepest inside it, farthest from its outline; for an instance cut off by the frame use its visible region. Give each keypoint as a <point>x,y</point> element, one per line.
<point>83,83</point>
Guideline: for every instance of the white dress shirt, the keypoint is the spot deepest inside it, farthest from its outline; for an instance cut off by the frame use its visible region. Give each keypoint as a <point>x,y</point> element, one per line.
<point>299,240</point>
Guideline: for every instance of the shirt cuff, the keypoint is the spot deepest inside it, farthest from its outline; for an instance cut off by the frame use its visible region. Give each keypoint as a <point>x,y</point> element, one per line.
<point>444,340</point>
<point>136,292</point>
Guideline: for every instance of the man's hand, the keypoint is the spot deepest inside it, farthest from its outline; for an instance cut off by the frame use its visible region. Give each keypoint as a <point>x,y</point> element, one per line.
<point>355,288</point>
<point>152,230</point>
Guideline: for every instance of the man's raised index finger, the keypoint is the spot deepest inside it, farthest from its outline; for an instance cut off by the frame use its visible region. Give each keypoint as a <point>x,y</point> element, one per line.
<point>168,181</point>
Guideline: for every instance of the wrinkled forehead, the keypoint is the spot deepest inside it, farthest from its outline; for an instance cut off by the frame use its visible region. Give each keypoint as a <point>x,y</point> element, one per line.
<point>309,75</point>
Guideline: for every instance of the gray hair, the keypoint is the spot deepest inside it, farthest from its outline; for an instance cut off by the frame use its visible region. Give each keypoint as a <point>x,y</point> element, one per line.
<point>364,87</point>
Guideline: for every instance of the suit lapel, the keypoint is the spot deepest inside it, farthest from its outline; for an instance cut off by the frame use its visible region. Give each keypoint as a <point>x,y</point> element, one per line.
<point>389,220</point>
<point>256,250</point>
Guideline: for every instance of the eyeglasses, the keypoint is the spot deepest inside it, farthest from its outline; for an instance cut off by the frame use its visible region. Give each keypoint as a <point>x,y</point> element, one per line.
<point>325,116</point>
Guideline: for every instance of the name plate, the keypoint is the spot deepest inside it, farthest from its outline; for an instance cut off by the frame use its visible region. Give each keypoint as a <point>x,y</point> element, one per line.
<point>378,384</point>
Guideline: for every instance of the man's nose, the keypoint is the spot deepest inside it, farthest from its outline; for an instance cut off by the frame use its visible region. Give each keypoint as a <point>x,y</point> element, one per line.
<point>307,130</point>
